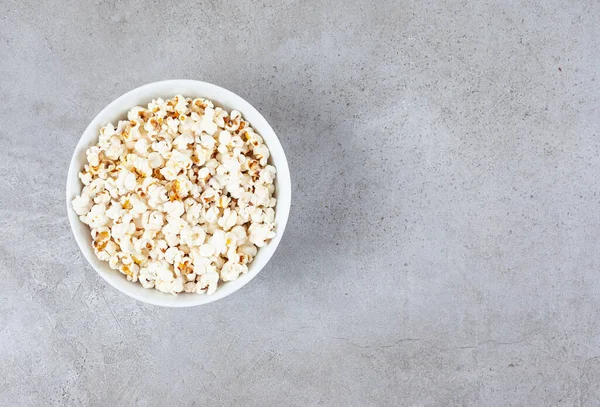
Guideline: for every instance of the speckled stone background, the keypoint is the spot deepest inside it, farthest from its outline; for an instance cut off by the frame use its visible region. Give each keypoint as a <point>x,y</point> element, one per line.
<point>444,241</point>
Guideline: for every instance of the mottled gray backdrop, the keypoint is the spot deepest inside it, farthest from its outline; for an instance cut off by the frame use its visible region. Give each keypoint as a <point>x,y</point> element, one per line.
<point>443,244</point>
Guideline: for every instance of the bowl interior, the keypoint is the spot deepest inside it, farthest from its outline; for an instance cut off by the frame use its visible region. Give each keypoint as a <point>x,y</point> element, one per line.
<point>116,111</point>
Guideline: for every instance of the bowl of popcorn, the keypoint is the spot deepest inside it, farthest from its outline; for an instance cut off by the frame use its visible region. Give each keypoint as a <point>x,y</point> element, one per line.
<point>178,193</point>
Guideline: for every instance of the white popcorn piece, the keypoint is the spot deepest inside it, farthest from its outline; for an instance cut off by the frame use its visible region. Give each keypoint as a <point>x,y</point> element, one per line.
<point>259,233</point>
<point>182,141</point>
<point>231,270</point>
<point>207,250</point>
<point>189,287</point>
<point>269,215</point>
<point>82,204</point>
<point>200,264</point>
<point>248,249</point>
<point>96,217</point>
<point>207,142</point>
<point>141,166</point>
<point>120,230</point>
<point>92,155</point>
<point>174,209</point>
<point>193,237</point>
<point>138,113</point>
<point>162,147</point>
<point>179,104</point>
<point>256,214</point>
<point>174,226</point>
<point>172,125</point>
<point>170,172</point>
<point>218,240</point>
<point>85,177</point>
<point>93,188</point>
<point>155,160</point>
<point>173,255</point>
<point>237,236</point>
<point>126,181</point>
<point>141,147</point>
<point>147,278</point>
<point>261,196</point>
<point>171,239</point>
<point>206,123</point>
<point>157,195</point>
<point>228,220</point>
<point>267,175</point>
<point>115,150</point>
<point>105,250</point>
<point>137,205</point>
<point>102,197</point>
<point>153,221</point>
<point>208,283</point>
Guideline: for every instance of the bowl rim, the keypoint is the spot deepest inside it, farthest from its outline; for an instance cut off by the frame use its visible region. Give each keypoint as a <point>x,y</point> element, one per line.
<point>114,108</point>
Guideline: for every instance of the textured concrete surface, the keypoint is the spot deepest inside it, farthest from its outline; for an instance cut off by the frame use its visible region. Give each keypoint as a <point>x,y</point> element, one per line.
<point>443,248</point>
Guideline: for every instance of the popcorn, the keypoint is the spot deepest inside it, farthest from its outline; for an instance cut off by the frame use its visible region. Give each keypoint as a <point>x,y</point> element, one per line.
<point>267,175</point>
<point>115,212</point>
<point>231,270</point>
<point>146,279</point>
<point>237,236</point>
<point>126,181</point>
<point>269,215</point>
<point>261,196</point>
<point>93,188</point>
<point>162,147</point>
<point>189,287</point>
<point>155,160</point>
<point>96,217</point>
<point>82,204</point>
<point>172,125</point>
<point>218,240</point>
<point>256,215</point>
<point>174,209</point>
<point>193,237</point>
<point>248,249</point>
<point>182,141</point>
<point>170,172</point>
<point>157,196</point>
<point>106,250</point>
<point>261,153</point>
<point>207,250</point>
<point>137,112</point>
<point>207,142</point>
<point>208,283</point>
<point>173,255</point>
<point>206,124</point>
<point>141,166</point>
<point>102,197</point>
<point>126,245</point>
<point>85,177</point>
<point>138,205</point>
<point>234,120</point>
<point>120,230</point>
<point>259,233</point>
<point>141,147</point>
<point>178,197</point>
<point>180,104</point>
<point>153,221</point>
<point>92,155</point>
<point>228,220</point>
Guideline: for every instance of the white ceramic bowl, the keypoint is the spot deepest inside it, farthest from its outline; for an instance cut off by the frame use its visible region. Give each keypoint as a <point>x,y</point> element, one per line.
<point>117,110</point>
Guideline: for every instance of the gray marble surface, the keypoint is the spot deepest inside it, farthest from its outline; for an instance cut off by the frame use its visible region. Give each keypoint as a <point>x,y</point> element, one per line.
<point>443,245</point>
